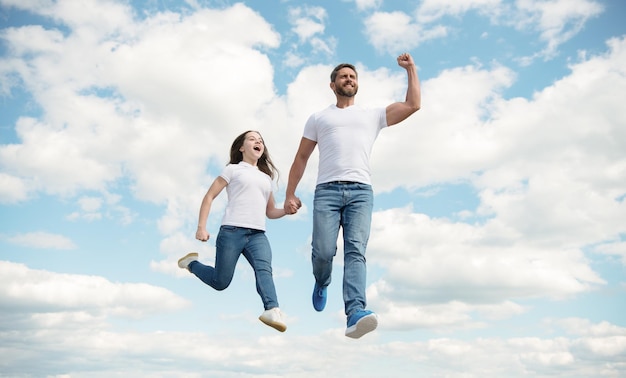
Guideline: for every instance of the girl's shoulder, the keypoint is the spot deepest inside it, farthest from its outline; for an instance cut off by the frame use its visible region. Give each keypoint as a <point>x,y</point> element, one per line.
<point>228,172</point>
<point>241,168</point>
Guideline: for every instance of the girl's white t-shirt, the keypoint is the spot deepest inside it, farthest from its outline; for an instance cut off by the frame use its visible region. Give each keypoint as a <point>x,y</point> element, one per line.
<point>248,192</point>
<point>345,137</point>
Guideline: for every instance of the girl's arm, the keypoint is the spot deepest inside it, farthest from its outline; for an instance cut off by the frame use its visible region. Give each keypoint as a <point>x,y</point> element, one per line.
<point>218,184</point>
<point>271,211</point>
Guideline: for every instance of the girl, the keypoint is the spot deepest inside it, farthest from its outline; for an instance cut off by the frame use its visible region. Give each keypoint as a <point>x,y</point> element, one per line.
<point>248,182</point>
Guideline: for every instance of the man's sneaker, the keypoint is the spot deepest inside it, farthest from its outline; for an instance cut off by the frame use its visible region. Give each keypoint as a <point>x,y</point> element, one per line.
<point>319,297</point>
<point>185,261</point>
<point>274,319</point>
<point>360,323</point>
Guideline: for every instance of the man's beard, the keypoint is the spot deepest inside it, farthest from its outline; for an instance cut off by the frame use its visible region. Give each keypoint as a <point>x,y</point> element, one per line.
<point>346,93</point>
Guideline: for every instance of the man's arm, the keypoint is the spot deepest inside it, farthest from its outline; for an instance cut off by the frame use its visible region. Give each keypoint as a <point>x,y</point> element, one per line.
<point>399,111</point>
<point>292,203</point>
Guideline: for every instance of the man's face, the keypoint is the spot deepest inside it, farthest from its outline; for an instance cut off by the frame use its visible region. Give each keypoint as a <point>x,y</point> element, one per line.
<point>346,83</point>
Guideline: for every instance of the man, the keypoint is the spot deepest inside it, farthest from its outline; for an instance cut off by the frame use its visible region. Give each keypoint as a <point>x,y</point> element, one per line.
<point>345,134</point>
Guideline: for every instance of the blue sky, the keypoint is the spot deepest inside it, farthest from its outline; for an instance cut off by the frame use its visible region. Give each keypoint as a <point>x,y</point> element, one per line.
<point>498,244</point>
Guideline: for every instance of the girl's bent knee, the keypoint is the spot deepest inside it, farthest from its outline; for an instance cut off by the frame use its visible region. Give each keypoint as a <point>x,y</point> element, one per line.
<point>219,286</point>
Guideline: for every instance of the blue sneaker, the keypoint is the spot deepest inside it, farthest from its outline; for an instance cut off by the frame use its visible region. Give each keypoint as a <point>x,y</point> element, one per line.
<point>360,323</point>
<point>319,297</point>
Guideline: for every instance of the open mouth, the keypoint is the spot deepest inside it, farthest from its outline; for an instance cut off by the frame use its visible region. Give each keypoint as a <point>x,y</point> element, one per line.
<point>257,148</point>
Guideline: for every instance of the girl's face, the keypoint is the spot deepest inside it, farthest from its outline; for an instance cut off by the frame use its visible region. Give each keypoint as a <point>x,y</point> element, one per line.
<point>252,148</point>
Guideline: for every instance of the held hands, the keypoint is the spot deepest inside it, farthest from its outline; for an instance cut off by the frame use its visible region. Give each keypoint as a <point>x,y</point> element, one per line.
<point>292,204</point>
<point>405,61</point>
<point>202,234</point>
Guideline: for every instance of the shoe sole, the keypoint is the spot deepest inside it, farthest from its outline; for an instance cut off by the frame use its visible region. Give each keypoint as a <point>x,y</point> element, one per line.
<point>277,326</point>
<point>365,325</point>
<point>194,254</point>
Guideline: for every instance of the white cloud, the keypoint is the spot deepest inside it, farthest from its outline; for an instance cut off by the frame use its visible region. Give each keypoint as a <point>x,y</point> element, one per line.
<point>44,292</point>
<point>293,60</point>
<point>433,260</point>
<point>363,5</point>
<point>432,10</point>
<point>105,207</point>
<point>556,21</point>
<point>160,137</point>
<point>396,32</point>
<point>12,189</point>
<point>42,240</point>
<point>309,24</point>
<point>90,204</point>
<point>612,248</point>
<point>307,21</point>
<point>584,327</point>
<point>68,324</point>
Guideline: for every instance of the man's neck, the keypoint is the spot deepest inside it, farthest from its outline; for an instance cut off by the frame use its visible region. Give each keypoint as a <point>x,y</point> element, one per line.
<point>343,102</point>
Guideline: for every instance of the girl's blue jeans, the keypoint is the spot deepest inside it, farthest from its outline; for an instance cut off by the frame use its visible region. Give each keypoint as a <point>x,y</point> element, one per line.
<point>232,242</point>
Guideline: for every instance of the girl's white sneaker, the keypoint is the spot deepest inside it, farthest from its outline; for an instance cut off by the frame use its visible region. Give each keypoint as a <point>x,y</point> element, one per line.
<point>184,262</point>
<point>273,318</point>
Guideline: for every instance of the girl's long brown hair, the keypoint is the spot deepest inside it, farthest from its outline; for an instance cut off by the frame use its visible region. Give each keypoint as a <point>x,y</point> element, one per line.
<point>265,163</point>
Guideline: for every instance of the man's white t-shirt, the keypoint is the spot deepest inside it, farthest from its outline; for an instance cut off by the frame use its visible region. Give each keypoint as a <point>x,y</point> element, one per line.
<point>345,137</point>
<point>248,192</point>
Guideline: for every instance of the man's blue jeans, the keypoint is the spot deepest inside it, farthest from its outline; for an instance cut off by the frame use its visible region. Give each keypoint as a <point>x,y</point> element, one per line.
<point>347,205</point>
<point>231,242</point>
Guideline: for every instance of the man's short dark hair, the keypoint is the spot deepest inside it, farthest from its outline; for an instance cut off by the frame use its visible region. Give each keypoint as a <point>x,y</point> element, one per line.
<point>333,75</point>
